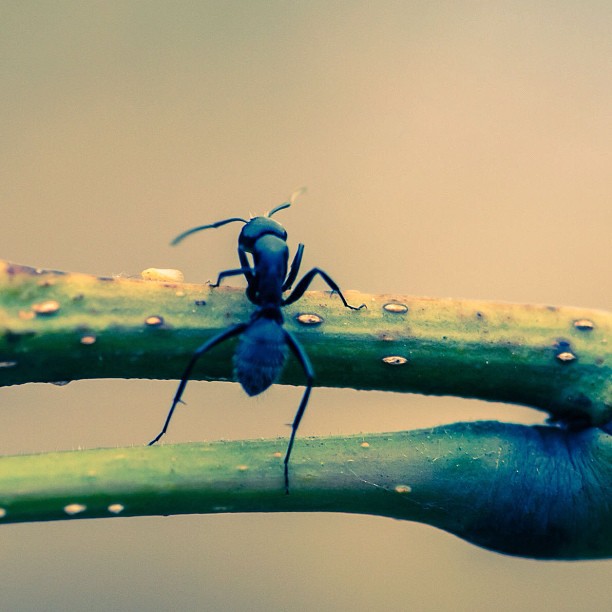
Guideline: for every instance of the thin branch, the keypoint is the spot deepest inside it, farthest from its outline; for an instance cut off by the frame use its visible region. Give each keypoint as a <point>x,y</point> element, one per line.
<point>502,486</point>
<point>543,492</point>
<point>59,327</point>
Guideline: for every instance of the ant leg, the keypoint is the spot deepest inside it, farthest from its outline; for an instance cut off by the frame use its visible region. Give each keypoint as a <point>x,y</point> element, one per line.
<point>226,273</point>
<point>228,333</point>
<point>302,357</point>
<point>299,291</point>
<point>295,268</point>
<point>248,273</point>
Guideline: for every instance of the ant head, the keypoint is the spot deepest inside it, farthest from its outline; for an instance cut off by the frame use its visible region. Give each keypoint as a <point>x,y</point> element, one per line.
<point>264,225</point>
<point>258,227</point>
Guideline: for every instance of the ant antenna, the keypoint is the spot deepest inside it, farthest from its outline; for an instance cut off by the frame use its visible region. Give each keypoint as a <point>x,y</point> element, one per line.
<point>296,194</point>
<point>292,199</point>
<point>193,230</point>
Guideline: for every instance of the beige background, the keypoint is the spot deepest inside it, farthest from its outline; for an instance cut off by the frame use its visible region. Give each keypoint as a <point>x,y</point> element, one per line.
<point>450,149</point>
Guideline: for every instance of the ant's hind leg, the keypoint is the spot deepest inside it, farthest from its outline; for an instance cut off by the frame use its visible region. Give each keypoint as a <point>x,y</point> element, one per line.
<point>228,333</point>
<point>301,287</point>
<point>302,357</point>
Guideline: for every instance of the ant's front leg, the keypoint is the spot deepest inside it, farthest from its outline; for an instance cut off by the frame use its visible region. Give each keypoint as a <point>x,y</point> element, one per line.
<point>301,287</point>
<point>246,269</point>
<point>236,272</point>
<point>295,268</point>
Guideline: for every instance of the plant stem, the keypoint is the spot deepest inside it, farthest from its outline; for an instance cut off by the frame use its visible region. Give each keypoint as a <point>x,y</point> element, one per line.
<point>553,358</point>
<point>465,478</point>
<point>544,492</point>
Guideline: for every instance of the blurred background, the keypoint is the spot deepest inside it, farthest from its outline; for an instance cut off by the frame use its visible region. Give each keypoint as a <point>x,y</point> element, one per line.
<point>455,149</point>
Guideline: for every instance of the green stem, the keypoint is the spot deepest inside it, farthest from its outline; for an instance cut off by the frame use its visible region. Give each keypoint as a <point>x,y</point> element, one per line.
<point>543,492</point>
<point>552,358</point>
<point>473,479</point>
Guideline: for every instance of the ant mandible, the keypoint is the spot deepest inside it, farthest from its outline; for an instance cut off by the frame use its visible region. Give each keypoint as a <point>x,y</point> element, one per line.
<point>262,348</point>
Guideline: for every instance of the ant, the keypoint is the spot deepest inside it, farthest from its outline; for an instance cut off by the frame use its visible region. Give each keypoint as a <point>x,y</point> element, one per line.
<point>262,349</point>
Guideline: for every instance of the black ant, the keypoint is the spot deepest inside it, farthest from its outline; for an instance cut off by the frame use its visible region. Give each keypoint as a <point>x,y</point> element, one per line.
<point>262,350</point>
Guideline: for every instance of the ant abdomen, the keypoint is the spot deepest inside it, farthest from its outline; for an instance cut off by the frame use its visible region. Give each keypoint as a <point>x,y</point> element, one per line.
<point>260,355</point>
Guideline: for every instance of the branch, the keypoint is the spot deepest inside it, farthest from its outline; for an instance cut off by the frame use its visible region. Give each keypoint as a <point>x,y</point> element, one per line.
<point>543,492</point>
<point>59,327</point>
<point>501,486</point>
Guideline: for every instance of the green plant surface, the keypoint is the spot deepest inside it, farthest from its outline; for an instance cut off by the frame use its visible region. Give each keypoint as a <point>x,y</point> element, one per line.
<point>543,492</point>
<point>556,359</point>
<point>498,485</point>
